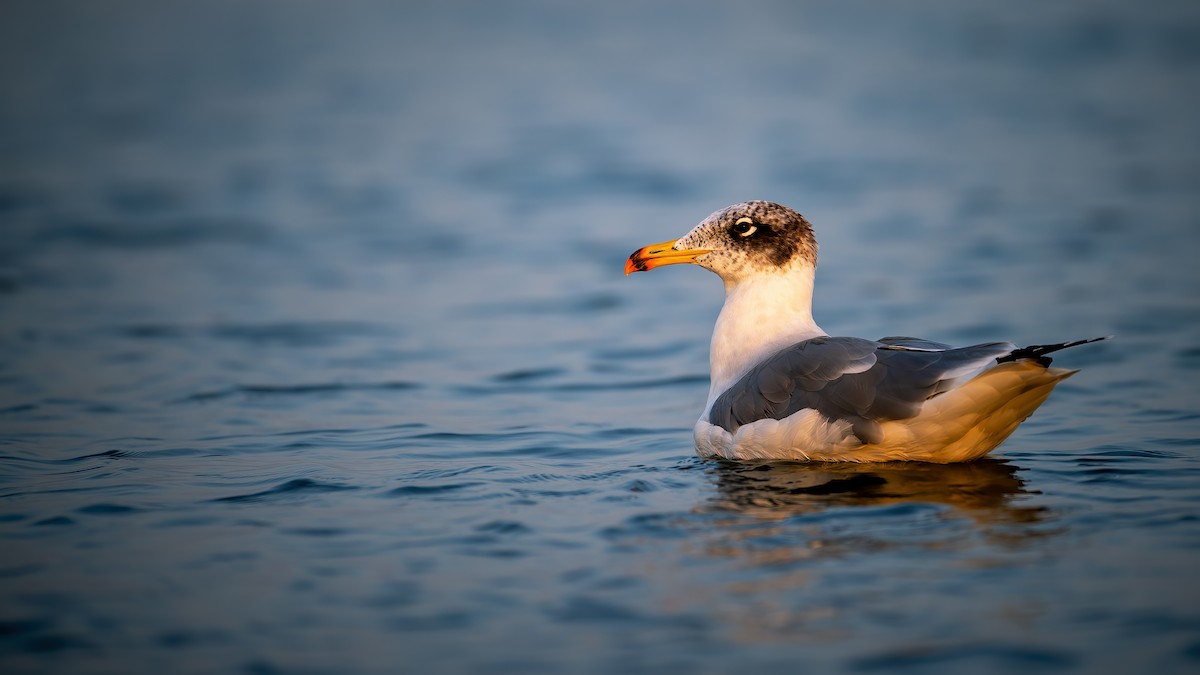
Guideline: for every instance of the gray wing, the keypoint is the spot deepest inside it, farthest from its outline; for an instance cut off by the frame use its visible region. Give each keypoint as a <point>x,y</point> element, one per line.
<point>915,343</point>
<point>843,378</point>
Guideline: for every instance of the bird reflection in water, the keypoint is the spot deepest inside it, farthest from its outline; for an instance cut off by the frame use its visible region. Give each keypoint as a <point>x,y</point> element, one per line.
<point>835,508</point>
<point>808,543</point>
<point>984,489</point>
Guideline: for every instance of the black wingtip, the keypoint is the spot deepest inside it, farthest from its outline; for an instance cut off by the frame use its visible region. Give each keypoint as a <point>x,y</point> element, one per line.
<point>1038,352</point>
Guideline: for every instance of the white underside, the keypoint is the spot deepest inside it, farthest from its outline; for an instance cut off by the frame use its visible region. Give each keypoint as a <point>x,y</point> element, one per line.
<point>961,425</point>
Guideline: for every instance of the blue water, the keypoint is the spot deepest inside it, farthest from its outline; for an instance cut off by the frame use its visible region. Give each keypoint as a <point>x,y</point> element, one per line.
<point>316,355</point>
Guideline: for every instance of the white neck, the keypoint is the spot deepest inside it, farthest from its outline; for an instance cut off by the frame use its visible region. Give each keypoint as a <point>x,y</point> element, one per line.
<point>762,315</point>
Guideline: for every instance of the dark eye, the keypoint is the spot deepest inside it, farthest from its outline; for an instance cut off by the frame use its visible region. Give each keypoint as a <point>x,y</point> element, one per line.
<point>744,227</point>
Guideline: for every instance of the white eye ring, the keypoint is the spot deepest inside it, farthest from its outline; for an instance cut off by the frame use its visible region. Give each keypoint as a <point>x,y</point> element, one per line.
<point>750,229</point>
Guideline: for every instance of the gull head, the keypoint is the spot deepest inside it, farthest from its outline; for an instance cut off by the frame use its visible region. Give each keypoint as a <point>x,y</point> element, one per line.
<point>739,241</point>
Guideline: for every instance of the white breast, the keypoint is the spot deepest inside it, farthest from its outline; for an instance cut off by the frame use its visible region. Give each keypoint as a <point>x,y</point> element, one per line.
<point>806,435</point>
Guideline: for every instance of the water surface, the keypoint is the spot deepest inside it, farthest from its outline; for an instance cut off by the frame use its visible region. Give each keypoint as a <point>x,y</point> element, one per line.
<point>317,356</point>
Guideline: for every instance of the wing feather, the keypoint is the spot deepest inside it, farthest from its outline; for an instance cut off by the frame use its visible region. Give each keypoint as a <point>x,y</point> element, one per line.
<point>860,381</point>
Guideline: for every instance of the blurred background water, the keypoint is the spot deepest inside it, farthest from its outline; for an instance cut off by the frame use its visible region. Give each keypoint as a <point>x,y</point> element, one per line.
<point>316,356</point>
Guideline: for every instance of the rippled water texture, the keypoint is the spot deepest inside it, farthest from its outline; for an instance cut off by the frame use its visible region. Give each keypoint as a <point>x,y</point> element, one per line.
<point>316,355</point>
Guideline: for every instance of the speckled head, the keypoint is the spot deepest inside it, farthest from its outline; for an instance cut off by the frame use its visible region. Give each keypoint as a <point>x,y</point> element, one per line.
<point>752,238</point>
<point>749,238</point>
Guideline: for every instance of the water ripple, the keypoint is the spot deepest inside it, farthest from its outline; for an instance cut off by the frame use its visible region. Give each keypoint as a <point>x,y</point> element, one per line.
<point>267,390</point>
<point>621,385</point>
<point>296,487</point>
<point>430,490</point>
<point>308,365</point>
<point>963,656</point>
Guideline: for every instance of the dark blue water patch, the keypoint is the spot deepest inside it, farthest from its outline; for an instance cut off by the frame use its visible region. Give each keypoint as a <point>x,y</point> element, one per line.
<point>494,552</point>
<point>107,454</point>
<point>653,352</point>
<point>17,628</point>
<point>526,375</point>
<point>441,621</point>
<point>431,490</point>
<point>226,557</point>
<point>357,202</point>
<point>603,476</point>
<point>52,642</point>
<point>585,608</point>
<point>974,333</point>
<point>892,227</point>
<point>139,199</point>
<point>262,667</point>
<point>393,594</point>
<point>650,526</point>
<point>517,443</point>
<point>1004,656</point>
<point>576,492</point>
<point>23,197</point>
<point>54,521</point>
<point>19,408</point>
<point>606,584</point>
<point>1155,318</point>
<point>1164,415</point>
<point>623,433</point>
<point>10,281</point>
<point>286,333</point>
<point>1177,44</point>
<point>1082,43</point>
<point>580,303</point>
<point>1115,477</point>
<point>639,485</point>
<point>187,521</point>
<point>316,532</point>
<point>504,527</point>
<point>681,380</point>
<point>18,571</point>
<point>385,242</point>
<point>84,405</point>
<point>451,472</point>
<point>185,639</point>
<point>472,439</point>
<point>107,509</point>
<point>167,452</point>
<point>293,488</point>
<point>297,333</point>
<point>549,165</point>
<point>523,665</point>
<point>151,233</point>
<point>354,436</point>
<point>1188,358</point>
<point>315,388</point>
<point>1106,454</point>
<point>294,334</point>
<point>150,331</point>
<point>113,454</point>
<point>842,177</point>
<point>566,450</point>
<point>1183,442</point>
<point>584,386</point>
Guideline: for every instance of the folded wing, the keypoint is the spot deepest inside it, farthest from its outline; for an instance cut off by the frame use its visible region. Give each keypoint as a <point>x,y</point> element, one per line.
<point>860,381</point>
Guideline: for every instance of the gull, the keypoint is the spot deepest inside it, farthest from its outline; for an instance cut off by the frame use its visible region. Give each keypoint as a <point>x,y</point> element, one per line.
<point>784,389</point>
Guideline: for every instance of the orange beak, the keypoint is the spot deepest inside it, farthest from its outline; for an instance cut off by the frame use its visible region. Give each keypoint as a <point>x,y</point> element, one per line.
<point>656,255</point>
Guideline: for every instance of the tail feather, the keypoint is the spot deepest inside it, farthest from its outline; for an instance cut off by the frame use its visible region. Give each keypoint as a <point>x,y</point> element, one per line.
<point>1038,352</point>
